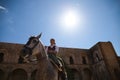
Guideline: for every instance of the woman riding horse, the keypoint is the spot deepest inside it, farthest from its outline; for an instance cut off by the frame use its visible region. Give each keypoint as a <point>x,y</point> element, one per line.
<point>46,70</point>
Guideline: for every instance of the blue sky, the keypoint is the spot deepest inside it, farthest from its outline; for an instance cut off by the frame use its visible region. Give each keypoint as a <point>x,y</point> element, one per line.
<point>99,20</point>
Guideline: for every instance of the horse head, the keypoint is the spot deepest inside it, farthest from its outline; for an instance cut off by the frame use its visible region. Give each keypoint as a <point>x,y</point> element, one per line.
<point>33,48</point>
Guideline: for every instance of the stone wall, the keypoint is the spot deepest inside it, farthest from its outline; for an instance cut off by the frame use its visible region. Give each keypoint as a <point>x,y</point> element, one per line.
<point>100,62</point>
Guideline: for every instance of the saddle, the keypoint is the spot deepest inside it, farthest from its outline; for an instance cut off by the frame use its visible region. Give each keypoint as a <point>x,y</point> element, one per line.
<point>59,67</point>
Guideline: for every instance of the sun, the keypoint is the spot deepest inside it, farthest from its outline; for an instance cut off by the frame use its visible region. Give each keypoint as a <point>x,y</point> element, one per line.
<point>69,20</point>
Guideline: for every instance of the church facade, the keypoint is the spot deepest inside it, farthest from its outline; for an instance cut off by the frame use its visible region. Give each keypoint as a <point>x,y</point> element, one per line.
<point>100,62</point>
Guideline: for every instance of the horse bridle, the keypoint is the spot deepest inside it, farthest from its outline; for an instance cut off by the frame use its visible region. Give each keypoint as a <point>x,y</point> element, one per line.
<point>31,49</point>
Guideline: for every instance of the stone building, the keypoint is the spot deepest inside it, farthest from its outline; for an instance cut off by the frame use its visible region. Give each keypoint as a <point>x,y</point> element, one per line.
<point>100,62</point>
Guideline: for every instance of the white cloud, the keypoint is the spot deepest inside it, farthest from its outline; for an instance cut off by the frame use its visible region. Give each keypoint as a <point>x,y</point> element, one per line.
<point>3,9</point>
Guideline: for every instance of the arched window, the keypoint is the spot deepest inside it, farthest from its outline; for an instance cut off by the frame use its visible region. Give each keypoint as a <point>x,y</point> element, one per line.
<point>1,75</point>
<point>117,73</point>
<point>84,60</point>
<point>18,74</point>
<point>33,75</point>
<point>87,74</point>
<point>1,57</point>
<point>97,57</point>
<point>73,74</point>
<point>71,60</point>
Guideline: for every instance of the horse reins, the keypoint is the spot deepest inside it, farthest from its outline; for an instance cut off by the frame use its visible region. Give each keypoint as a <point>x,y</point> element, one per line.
<point>31,49</point>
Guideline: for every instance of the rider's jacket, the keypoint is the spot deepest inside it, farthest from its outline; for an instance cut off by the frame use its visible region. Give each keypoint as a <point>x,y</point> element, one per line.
<point>52,47</point>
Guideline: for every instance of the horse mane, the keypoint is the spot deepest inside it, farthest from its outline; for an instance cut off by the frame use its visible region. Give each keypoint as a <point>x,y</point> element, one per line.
<point>30,39</point>
<point>43,51</point>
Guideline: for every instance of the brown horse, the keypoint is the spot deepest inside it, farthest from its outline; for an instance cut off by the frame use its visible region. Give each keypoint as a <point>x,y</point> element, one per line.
<point>35,51</point>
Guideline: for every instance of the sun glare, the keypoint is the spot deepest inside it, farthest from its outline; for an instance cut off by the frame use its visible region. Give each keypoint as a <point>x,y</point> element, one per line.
<point>69,20</point>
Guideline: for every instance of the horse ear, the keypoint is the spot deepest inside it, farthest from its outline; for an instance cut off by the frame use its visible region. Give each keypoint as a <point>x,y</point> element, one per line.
<point>39,35</point>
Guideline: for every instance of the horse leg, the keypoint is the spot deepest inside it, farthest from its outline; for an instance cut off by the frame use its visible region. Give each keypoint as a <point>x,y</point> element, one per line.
<point>61,76</point>
<point>20,60</point>
<point>26,60</point>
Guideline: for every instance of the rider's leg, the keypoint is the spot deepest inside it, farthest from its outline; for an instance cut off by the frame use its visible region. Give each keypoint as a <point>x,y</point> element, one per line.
<point>63,68</point>
<point>54,58</point>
